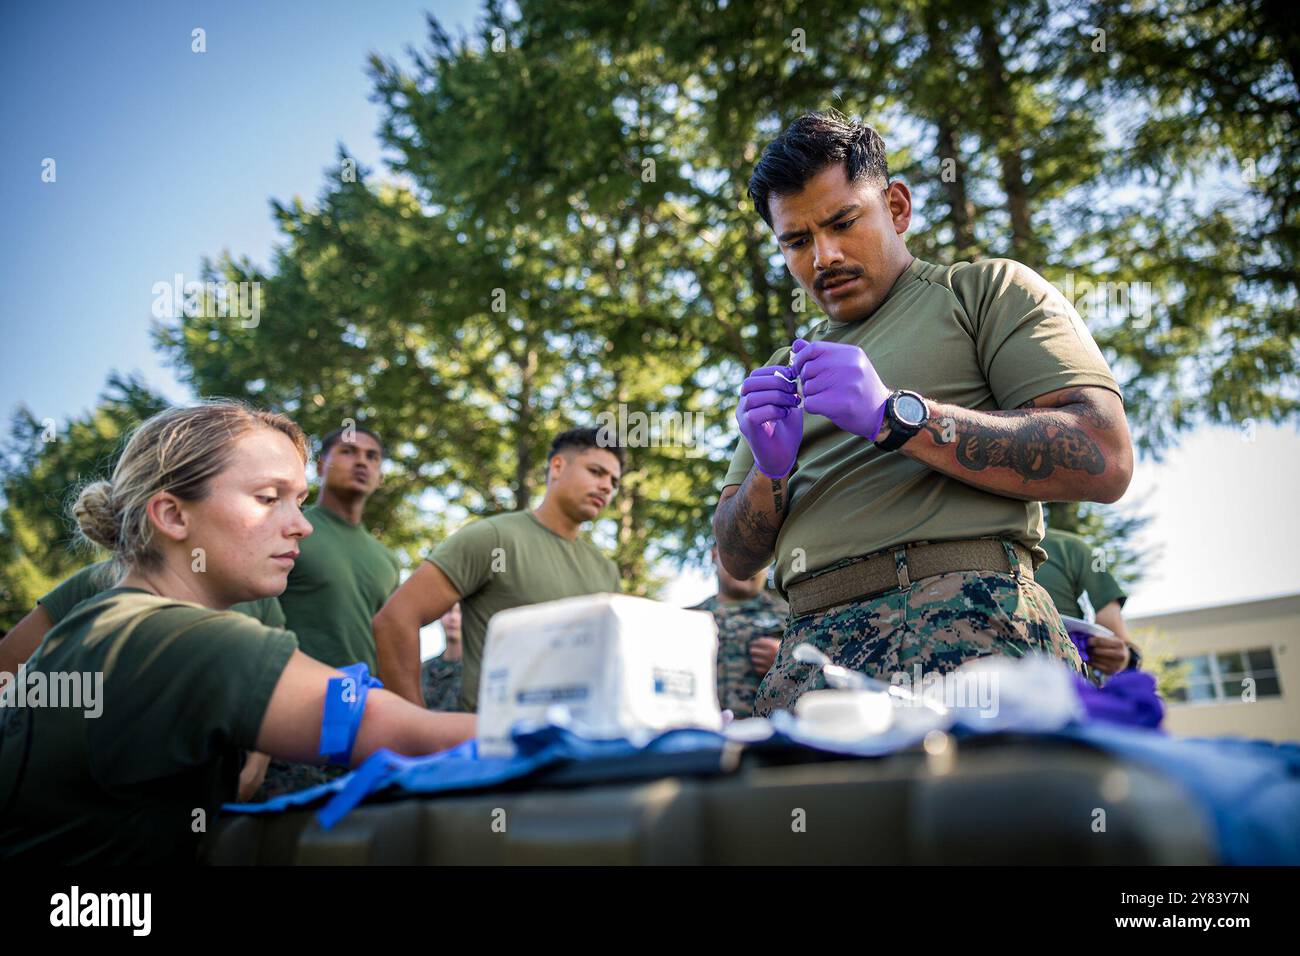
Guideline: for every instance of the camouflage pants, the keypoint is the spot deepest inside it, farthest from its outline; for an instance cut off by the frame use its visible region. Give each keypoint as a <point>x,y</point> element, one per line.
<point>940,623</point>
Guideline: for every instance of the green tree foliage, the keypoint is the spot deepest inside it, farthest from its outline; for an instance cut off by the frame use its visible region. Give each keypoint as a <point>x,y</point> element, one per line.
<point>42,465</point>
<point>561,230</point>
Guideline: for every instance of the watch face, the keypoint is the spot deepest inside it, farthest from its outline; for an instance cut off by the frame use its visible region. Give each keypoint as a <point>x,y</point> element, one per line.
<point>909,409</point>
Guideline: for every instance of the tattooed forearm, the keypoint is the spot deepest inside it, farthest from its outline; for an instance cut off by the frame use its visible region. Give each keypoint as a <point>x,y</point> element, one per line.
<point>746,527</point>
<point>1069,445</point>
<point>1034,447</point>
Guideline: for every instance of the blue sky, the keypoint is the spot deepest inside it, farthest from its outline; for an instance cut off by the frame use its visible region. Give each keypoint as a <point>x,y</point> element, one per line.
<point>164,156</point>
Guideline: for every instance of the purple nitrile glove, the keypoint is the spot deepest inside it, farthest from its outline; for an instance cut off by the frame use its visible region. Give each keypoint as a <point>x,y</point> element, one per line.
<point>840,383</point>
<point>1081,642</point>
<point>770,418</point>
<point>1129,697</point>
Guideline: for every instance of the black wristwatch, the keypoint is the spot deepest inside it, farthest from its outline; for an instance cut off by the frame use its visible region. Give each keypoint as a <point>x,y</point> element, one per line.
<point>905,414</point>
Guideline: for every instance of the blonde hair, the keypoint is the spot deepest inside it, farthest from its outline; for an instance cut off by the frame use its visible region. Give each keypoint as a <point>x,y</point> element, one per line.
<point>179,451</point>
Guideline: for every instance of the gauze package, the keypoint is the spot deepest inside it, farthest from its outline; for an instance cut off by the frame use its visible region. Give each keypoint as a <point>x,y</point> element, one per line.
<point>609,665</point>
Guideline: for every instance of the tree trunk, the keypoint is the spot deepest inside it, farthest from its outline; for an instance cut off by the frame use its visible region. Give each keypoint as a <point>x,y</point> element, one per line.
<point>1007,145</point>
<point>762,292</point>
<point>524,477</point>
<point>961,211</point>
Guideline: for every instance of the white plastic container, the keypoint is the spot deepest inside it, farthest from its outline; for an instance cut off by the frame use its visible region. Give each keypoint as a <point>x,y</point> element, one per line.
<point>619,666</point>
<point>845,715</point>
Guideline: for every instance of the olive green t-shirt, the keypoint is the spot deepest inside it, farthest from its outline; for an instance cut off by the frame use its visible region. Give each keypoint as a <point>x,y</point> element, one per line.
<point>985,335</point>
<point>509,561</point>
<point>1068,572</point>
<point>341,579</point>
<point>184,690</point>
<point>88,582</point>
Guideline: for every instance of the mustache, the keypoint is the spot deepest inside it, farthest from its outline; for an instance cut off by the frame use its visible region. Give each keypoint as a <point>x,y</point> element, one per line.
<point>825,277</point>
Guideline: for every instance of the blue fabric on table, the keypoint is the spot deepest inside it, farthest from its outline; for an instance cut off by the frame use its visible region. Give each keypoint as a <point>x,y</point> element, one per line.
<point>1249,790</point>
<point>461,768</point>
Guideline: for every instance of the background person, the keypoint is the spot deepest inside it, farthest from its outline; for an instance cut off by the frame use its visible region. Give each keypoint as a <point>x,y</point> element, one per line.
<point>1071,571</point>
<point>750,620</point>
<point>343,575</point>
<point>508,560</point>
<point>440,674</point>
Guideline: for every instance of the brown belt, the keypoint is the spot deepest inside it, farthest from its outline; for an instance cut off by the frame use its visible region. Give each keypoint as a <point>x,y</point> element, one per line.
<point>899,567</point>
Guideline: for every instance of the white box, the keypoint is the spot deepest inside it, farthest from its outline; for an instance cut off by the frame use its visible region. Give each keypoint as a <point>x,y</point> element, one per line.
<point>621,666</point>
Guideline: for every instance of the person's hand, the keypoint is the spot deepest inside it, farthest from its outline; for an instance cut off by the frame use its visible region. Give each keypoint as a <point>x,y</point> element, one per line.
<point>1109,655</point>
<point>762,653</point>
<point>770,418</point>
<point>252,775</point>
<point>840,383</point>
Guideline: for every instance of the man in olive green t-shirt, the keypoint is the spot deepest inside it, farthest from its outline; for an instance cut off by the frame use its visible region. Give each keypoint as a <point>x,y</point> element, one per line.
<point>934,406</point>
<point>1074,568</point>
<point>440,675</point>
<point>508,560</point>
<point>342,575</point>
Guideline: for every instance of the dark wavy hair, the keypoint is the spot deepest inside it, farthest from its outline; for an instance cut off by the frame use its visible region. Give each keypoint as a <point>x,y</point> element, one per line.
<point>806,147</point>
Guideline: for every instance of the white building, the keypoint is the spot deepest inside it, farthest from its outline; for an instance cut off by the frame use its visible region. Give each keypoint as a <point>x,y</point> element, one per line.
<point>1243,667</point>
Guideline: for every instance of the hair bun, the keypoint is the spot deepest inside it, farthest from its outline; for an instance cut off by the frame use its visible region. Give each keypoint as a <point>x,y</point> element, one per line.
<point>96,516</point>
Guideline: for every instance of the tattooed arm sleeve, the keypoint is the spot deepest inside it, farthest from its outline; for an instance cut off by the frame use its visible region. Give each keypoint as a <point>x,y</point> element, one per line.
<point>1068,445</point>
<point>746,523</point>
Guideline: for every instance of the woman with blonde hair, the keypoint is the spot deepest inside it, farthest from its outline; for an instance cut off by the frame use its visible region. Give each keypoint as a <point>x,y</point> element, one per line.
<point>202,513</point>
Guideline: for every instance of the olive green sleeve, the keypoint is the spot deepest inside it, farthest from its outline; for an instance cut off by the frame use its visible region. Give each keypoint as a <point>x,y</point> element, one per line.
<point>467,556</point>
<point>184,683</point>
<point>1101,588</point>
<point>742,459</point>
<point>272,614</point>
<point>1029,338</point>
<point>86,583</point>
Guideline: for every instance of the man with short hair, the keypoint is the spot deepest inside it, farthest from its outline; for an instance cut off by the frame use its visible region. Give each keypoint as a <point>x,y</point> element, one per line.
<point>750,620</point>
<point>894,459</point>
<point>508,560</point>
<point>343,575</point>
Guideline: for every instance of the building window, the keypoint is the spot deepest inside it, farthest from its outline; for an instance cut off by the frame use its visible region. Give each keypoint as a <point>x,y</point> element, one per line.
<point>1221,678</point>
